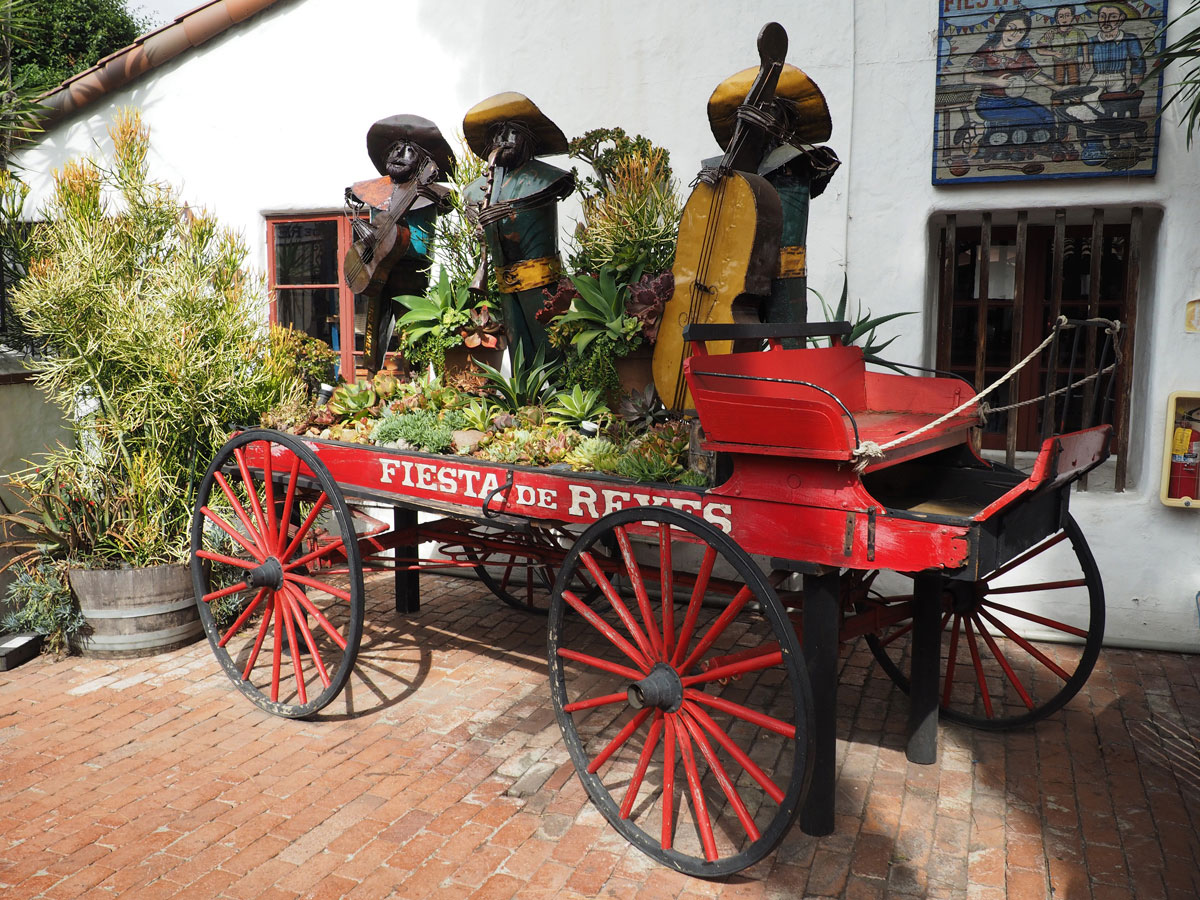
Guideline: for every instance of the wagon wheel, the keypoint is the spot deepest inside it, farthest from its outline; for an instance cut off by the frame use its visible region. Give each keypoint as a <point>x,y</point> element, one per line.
<point>280,591</point>
<point>687,719</point>
<point>993,675</point>
<point>520,567</point>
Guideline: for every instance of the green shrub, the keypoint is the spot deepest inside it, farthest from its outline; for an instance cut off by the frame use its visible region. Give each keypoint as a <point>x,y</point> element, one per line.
<point>42,603</point>
<point>154,346</point>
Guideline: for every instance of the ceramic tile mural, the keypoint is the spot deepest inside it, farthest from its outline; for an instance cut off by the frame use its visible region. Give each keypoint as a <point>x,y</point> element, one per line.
<point>1046,90</point>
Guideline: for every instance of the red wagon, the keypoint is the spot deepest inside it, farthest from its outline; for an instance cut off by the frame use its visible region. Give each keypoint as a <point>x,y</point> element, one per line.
<point>692,633</point>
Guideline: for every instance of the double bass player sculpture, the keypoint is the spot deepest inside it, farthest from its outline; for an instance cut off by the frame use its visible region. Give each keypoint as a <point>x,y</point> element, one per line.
<point>391,253</point>
<point>727,251</point>
<point>795,121</point>
<point>740,254</point>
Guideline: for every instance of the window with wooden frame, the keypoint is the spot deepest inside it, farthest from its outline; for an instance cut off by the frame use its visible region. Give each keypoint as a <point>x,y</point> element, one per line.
<point>308,292</point>
<point>1004,282</point>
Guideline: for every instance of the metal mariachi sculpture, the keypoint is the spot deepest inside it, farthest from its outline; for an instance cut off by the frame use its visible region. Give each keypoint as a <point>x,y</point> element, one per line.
<point>727,251</point>
<point>796,120</point>
<point>391,253</point>
<point>515,207</point>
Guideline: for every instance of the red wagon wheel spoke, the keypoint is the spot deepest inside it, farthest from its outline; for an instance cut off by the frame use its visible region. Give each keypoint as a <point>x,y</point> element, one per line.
<point>723,779</point>
<point>280,592</point>
<point>648,640</point>
<point>698,752</point>
<point>236,505</point>
<point>248,484</point>
<point>635,783</point>
<point>607,630</point>
<point>1023,638</point>
<point>1005,665</point>
<point>217,520</point>
<point>618,606</point>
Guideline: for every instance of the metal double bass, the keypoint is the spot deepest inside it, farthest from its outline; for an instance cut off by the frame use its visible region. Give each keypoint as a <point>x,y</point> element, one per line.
<point>728,244</point>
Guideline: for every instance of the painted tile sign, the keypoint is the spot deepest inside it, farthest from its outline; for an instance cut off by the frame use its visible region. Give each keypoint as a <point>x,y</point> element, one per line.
<point>1046,90</point>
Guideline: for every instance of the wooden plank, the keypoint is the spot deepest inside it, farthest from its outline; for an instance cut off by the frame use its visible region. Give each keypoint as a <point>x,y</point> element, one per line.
<point>1018,329</point>
<point>1089,389</point>
<point>981,312</point>
<point>946,306</point>
<point>1133,272</point>
<point>1050,380</point>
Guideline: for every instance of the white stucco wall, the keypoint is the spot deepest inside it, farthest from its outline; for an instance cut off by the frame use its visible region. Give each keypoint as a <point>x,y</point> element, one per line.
<point>271,117</point>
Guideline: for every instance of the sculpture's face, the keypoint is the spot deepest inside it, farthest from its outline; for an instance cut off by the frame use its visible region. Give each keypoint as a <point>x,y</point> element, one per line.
<point>402,161</point>
<point>513,144</point>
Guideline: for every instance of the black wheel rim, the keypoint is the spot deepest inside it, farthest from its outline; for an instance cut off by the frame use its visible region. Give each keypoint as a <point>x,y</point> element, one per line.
<point>277,573</point>
<point>713,680</point>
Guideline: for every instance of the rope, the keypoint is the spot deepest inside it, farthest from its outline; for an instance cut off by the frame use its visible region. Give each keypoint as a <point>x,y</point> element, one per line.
<point>870,450</point>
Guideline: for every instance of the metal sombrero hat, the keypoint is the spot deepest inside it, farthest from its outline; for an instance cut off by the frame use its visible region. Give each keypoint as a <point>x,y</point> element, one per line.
<point>794,86</point>
<point>511,107</point>
<point>416,129</point>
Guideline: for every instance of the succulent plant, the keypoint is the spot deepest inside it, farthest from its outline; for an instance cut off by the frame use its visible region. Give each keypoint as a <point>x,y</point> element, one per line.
<point>641,410</point>
<point>386,385</point>
<point>353,401</point>
<point>596,453</point>
<point>573,408</point>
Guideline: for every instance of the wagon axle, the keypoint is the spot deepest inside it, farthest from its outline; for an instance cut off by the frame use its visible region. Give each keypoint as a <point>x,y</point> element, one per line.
<point>268,575</point>
<point>661,689</point>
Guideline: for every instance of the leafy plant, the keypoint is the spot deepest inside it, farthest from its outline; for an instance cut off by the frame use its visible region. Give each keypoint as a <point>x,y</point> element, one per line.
<point>540,445</point>
<point>1184,50</point>
<point>433,323</point>
<point>573,408</point>
<point>863,328</point>
<point>631,209</point>
<point>455,244</point>
<point>41,602</point>
<point>660,454</point>
<point>68,36</point>
<point>150,324</point>
<point>484,329</point>
<point>598,310</point>
<point>595,331</point>
<point>526,386</point>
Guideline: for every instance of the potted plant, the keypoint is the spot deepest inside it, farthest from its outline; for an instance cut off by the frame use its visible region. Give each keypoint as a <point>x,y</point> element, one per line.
<point>153,352</point>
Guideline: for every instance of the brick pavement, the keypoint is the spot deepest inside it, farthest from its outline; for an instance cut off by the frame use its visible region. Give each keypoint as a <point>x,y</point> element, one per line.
<point>441,774</point>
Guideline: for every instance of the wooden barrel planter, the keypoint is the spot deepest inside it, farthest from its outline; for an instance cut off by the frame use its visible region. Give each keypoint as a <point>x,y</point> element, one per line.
<point>136,611</point>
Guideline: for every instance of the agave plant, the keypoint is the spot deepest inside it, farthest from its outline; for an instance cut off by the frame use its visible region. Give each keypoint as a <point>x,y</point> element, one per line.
<point>574,407</point>
<point>433,323</point>
<point>599,310</point>
<point>526,386</point>
<point>863,328</point>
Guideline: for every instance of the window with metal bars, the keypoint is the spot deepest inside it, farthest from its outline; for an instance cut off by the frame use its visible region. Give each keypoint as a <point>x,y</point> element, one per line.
<point>1004,282</point>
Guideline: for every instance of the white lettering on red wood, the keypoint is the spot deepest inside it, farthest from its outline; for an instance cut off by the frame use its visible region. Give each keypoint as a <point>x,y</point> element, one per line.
<point>583,502</point>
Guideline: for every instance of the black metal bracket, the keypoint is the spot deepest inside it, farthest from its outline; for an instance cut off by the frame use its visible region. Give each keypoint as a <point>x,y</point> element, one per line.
<point>487,501</point>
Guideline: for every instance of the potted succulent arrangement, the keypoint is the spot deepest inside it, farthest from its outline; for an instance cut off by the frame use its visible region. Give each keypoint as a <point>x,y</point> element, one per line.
<point>153,352</point>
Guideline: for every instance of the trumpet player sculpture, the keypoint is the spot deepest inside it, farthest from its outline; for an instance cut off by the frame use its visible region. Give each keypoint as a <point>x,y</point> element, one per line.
<point>515,205</point>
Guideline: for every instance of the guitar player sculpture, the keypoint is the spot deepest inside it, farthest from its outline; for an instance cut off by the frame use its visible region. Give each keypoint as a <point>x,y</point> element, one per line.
<point>390,255</point>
